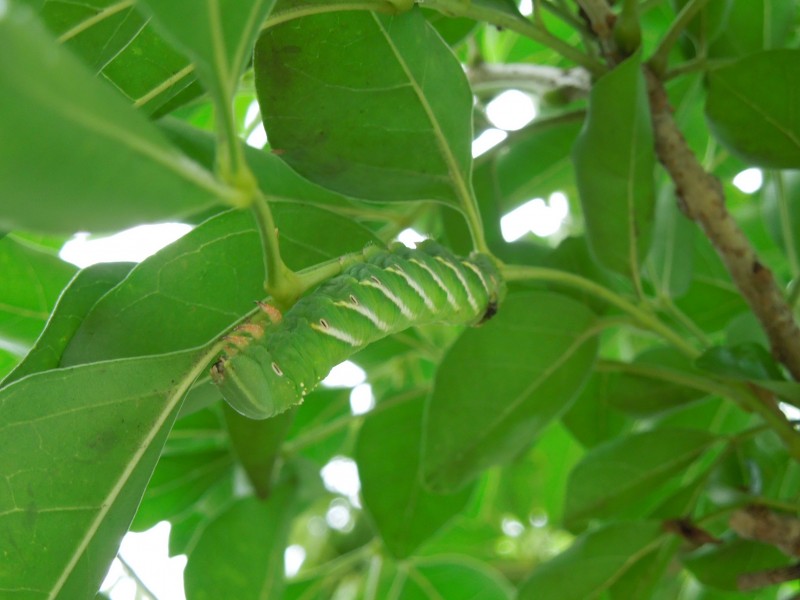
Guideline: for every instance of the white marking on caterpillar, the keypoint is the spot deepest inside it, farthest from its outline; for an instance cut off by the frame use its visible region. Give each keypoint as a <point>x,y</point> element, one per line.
<point>450,298</point>
<point>477,272</point>
<point>277,369</point>
<point>363,310</point>
<point>340,335</point>
<point>460,276</point>
<point>414,285</point>
<point>376,283</point>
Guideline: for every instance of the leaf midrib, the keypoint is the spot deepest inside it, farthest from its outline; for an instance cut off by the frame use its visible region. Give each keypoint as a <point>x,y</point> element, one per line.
<point>457,178</point>
<point>177,393</point>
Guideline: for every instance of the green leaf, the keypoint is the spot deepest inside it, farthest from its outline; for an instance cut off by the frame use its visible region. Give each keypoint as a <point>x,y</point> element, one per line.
<point>616,479</point>
<point>390,119</point>
<point>188,526</point>
<point>501,384</point>
<point>709,22</point>
<point>658,380</point>
<point>740,362</point>
<point>77,300</point>
<point>196,458</point>
<point>642,578</point>
<point>712,412</point>
<point>178,482</point>
<point>769,470</point>
<point>79,445</point>
<point>535,161</point>
<point>781,205</point>
<point>476,538</point>
<point>753,25</point>
<point>590,419</point>
<point>219,36</point>
<point>257,445</point>
<point>454,578</point>
<point>62,120</point>
<point>240,553</point>
<point>116,41</point>
<point>321,427</point>
<point>712,300</point>
<point>97,31</point>
<point>720,566</point>
<point>535,484</point>
<point>573,255</point>
<point>670,260</point>
<point>272,173</point>
<point>751,111</point>
<point>7,362</point>
<point>152,75</point>
<point>32,282</point>
<point>614,161</point>
<point>453,30</point>
<point>388,455</point>
<point>749,361</point>
<point>594,562</point>
<point>166,303</point>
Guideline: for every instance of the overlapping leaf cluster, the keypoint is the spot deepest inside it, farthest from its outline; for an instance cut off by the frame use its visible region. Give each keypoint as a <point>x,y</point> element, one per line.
<point>606,435</point>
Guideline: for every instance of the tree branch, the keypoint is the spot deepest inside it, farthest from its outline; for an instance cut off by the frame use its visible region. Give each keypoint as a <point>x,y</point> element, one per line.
<point>760,579</point>
<point>761,524</point>
<point>538,79</point>
<point>702,199</point>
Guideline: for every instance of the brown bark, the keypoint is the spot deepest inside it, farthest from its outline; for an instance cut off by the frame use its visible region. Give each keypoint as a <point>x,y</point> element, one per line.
<point>760,579</point>
<point>702,199</point>
<point>763,525</point>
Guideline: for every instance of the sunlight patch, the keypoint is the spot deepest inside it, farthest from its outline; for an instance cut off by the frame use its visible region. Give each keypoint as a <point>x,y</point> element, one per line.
<point>258,138</point>
<point>511,110</point>
<point>131,245</point>
<point>340,476</point>
<point>486,141</point>
<point>535,216</point>
<point>345,374</point>
<point>147,554</point>
<point>361,399</point>
<point>293,558</point>
<point>410,237</point>
<point>749,181</point>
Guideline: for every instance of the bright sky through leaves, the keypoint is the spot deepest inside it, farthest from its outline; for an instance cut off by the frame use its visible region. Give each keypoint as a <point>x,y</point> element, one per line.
<point>749,181</point>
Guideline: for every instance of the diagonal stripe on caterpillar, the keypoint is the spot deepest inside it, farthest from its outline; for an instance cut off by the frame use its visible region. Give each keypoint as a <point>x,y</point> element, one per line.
<point>267,371</point>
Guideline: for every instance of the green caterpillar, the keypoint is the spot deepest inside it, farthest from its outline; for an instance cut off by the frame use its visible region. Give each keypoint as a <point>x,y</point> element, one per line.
<point>269,370</point>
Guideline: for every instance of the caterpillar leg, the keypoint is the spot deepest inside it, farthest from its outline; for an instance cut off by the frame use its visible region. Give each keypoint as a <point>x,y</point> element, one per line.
<point>254,330</point>
<point>273,313</point>
<point>218,371</point>
<point>241,337</point>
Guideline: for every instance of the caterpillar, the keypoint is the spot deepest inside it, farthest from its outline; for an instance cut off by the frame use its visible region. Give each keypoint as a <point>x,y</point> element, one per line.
<point>267,370</point>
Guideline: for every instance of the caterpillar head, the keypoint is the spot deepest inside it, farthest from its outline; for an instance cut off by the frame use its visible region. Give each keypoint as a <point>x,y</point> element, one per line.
<point>254,385</point>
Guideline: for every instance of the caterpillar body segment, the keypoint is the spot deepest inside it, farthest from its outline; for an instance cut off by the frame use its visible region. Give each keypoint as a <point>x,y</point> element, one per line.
<point>390,291</point>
